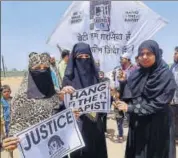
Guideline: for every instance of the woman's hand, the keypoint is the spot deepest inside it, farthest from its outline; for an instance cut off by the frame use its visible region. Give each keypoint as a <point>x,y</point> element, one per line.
<point>65,90</point>
<point>68,89</point>
<point>122,106</point>
<point>10,143</point>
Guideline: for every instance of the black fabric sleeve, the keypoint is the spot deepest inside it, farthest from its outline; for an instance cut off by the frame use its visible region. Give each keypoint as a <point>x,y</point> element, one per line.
<point>122,87</point>
<point>125,93</point>
<point>145,106</point>
<point>58,109</point>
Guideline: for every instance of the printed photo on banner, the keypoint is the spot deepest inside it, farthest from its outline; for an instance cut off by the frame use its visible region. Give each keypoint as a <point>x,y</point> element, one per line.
<point>95,98</point>
<point>53,138</point>
<point>100,15</point>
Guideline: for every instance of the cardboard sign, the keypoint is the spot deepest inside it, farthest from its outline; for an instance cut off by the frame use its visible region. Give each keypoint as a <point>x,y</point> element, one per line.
<point>52,138</point>
<point>95,98</point>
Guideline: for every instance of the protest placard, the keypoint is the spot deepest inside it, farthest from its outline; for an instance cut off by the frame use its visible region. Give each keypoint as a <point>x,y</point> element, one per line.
<point>95,98</point>
<point>52,138</point>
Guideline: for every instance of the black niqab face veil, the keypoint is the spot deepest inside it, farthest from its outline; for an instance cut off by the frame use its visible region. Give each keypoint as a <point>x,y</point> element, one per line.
<point>84,66</point>
<point>153,81</point>
<point>43,81</point>
<point>81,73</point>
<point>40,83</point>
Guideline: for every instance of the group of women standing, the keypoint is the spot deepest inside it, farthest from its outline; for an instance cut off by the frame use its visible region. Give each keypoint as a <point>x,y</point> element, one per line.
<point>146,96</point>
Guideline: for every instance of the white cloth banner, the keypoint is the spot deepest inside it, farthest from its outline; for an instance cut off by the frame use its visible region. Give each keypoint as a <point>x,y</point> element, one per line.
<point>52,138</point>
<point>111,28</point>
<point>95,98</point>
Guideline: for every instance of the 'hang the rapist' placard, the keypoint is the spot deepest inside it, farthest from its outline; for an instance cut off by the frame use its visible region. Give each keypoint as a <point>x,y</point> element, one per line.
<point>53,138</point>
<point>95,98</point>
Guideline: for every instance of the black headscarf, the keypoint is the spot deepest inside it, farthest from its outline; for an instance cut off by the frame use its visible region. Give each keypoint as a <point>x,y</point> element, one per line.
<point>81,73</point>
<point>152,81</point>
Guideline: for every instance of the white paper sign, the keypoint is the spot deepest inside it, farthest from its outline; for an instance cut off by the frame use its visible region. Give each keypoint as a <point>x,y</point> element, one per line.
<point>95,98</point>
<point>111,28</point>
<point>53,138</point>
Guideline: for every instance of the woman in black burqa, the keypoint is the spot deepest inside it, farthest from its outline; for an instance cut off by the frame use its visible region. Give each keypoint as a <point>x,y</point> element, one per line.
<point>81,73</point>
<point>146,97</point>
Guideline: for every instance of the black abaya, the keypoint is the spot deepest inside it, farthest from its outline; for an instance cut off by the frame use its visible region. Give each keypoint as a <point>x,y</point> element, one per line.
<point>94,138</point>
<point>148,93</point>
<point>81,73</point>
<point>151,135</point>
